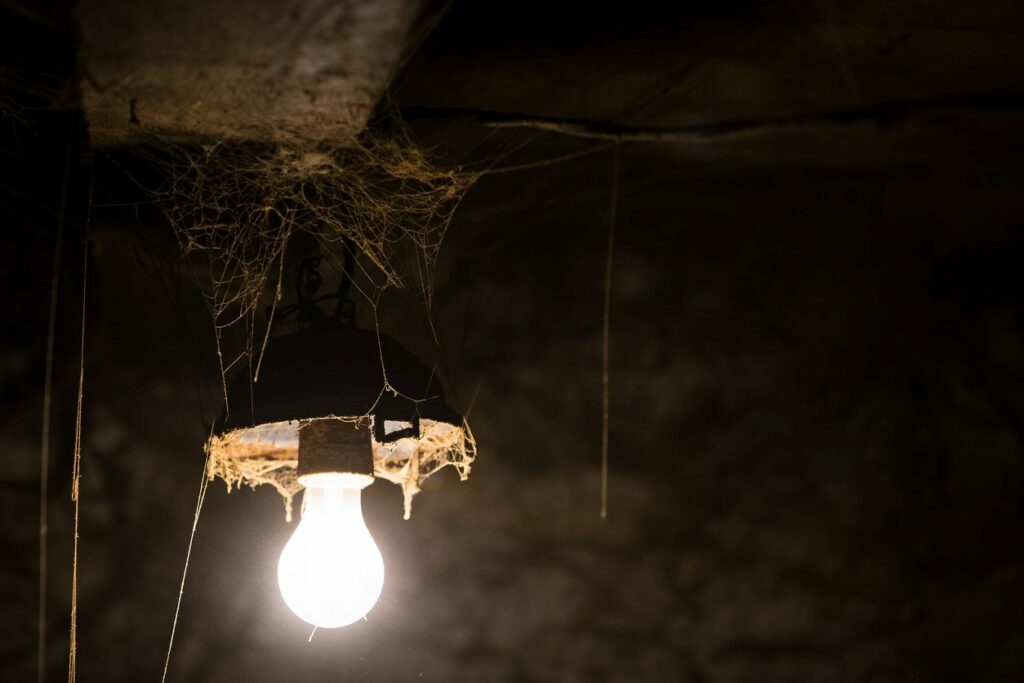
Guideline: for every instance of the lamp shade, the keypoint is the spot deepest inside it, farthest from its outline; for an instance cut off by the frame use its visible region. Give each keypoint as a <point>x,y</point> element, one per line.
<point>337,373</point>
<point>341,371</point>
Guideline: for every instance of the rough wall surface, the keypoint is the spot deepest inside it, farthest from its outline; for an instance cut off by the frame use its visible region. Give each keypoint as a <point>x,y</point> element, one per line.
<point>817,469</point>
<point>257,69</point>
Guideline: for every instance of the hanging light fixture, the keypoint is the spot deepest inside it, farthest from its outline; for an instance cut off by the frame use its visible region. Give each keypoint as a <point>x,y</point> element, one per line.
<point>333,408</point>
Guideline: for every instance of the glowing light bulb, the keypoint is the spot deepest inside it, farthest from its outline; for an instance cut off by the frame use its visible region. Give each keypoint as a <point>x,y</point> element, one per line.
<point>331,571</point>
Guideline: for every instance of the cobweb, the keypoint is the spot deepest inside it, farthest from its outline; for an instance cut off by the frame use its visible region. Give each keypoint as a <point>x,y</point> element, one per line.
<point>268,454</point>
<point>235,206</point>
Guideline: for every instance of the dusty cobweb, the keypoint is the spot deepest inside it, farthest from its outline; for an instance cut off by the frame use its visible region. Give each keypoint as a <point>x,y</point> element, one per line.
<point>235,207</point>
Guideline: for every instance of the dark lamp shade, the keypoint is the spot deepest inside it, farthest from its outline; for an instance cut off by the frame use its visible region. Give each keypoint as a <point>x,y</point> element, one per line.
<point>338,372</point>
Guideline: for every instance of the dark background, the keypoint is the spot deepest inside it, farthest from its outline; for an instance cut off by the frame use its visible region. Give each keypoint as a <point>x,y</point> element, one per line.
<point>817,365</point>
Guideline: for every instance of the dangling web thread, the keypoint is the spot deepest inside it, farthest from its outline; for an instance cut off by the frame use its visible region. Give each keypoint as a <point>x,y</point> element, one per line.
<point>203,483</point>
<point>606,334</point>
<point>44,451</point>
<point>76,471</point>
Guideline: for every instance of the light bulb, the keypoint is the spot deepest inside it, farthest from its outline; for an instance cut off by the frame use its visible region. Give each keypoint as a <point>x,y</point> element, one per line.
<point>331,571</point>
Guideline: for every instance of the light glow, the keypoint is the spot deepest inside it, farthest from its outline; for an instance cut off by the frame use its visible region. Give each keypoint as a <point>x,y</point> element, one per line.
<point>331,571</point>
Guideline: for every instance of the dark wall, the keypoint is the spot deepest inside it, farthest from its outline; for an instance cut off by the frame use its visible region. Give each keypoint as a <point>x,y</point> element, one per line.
<point>817,349</point>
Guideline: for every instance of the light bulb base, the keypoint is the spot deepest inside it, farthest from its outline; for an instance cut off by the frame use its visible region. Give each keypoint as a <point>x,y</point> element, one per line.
<point>335,446</point>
